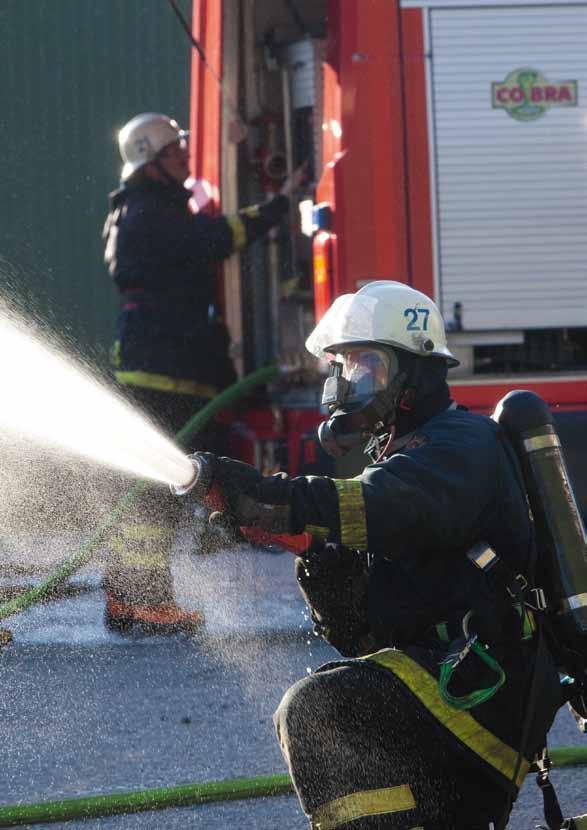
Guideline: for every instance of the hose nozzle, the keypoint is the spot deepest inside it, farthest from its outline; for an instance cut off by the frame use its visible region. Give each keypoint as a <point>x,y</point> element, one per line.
<point>201,481</point>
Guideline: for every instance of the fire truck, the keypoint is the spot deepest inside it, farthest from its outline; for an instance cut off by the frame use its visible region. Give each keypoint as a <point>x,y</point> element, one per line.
<point>447,149</point>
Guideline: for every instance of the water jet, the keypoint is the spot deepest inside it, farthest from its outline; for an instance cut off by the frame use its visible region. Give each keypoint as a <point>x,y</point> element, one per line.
<point>62,404</point>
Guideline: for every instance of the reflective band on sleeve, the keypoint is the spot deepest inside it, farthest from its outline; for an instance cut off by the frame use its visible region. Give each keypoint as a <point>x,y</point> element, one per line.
<point>541,442</point>
<point>165,383</point>
<point>317,531</point>
<point>353,526</point>
<point>576,601</point>
<point>361,804</point>
<point>239,233</point>
<point>252,211</point>
<point>479,740</point>
<point>482,555</point>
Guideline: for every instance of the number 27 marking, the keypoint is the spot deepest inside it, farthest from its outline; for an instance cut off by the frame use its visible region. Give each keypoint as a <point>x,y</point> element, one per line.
<point>418,319</point>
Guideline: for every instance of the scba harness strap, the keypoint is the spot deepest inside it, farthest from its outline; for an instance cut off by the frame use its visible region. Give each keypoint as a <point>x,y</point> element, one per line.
<point>483,557</point>
<point>466,641</point>
<point>486,560</point>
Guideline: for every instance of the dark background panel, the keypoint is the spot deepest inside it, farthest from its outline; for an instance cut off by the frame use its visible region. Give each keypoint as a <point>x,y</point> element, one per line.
<point>74,71</point>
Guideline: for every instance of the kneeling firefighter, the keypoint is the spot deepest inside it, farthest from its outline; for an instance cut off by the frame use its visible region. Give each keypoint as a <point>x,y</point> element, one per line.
<point>421,572</point>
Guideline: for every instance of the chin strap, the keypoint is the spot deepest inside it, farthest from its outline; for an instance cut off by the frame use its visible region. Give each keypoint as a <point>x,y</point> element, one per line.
<point>169,179</point>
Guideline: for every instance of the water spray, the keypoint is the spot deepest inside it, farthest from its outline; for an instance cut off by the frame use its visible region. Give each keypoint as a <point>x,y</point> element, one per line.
<point>61,404</point>
<point>89,549</point>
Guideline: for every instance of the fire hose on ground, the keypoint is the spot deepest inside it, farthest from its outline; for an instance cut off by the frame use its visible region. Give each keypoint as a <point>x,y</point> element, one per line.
<point>187,795</point>
<point>89,549</point>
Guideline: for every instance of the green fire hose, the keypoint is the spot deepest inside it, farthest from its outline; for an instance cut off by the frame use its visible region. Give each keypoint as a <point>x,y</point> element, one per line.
<point>186,795</point>
<point>159,798</point>
<point>88,550</point>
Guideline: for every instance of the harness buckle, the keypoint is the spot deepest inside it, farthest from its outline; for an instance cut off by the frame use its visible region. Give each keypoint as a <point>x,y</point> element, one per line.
<point>520,585</point>
<point>455,658</point>
<point>539,597</point>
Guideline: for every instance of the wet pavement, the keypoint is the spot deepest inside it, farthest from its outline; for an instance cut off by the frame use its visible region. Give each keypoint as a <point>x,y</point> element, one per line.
<point>85,711</point>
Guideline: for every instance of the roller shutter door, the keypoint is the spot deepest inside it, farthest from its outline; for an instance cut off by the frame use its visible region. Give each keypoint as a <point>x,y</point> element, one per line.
<point>511,194</point>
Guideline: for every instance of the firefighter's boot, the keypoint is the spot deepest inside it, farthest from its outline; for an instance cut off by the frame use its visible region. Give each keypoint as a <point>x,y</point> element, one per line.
<point>165,618</point>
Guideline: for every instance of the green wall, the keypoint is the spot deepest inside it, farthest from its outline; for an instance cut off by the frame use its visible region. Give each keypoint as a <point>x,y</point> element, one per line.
<point>73,72</point>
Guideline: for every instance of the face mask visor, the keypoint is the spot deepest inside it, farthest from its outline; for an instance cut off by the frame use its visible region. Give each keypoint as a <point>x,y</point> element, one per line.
<point>356,375</point>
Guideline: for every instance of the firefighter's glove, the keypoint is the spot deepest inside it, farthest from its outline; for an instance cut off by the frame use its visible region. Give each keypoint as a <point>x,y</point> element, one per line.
<point>334,583</point>
<point>240,496</point>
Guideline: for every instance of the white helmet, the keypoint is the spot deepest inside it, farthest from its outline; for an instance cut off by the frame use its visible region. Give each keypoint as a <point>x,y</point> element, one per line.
<point>385,312</point>
<point>143,138</point>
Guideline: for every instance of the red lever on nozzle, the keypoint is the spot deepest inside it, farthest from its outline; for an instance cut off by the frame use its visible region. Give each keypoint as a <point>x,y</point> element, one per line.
<point>201,485</point>
<point>209,494</point>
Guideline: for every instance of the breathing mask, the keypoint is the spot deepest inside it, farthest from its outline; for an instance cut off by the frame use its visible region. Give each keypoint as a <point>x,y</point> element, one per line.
<point>361,393</point>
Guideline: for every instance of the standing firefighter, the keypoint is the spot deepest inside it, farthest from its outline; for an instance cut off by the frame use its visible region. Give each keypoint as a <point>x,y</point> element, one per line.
<point>422,582</point>
<point>172,353</point>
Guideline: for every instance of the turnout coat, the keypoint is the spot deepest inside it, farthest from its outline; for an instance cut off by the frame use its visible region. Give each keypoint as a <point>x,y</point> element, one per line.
<point>163,260</point>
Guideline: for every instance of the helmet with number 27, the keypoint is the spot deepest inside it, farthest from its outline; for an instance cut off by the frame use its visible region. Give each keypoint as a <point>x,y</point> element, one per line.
<point>387,351</point>
<point>385,312</point>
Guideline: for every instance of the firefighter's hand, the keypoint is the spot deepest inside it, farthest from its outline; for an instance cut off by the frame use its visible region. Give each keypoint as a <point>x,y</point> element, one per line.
<point>245,498</point>
<point>334,584</point>
<point>293,182</point>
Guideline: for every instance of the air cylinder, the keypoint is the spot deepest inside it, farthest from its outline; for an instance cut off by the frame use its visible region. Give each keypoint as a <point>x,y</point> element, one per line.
<point>561,541</point>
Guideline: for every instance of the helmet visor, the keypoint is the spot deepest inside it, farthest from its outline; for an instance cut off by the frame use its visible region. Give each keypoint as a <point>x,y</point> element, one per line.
<point>366,370</point>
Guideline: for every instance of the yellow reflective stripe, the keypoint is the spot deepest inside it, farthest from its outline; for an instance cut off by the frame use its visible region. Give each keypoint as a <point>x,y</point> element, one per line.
<point>142,546</point>
<point>529,624</point>
<point>143,533</point>
<point>115,354</point>
<point>252,211</point>
<point>165,383</point>
<point>239,233</point>
<point>464,727</point>
<point>353,527</point>
<point>317,531</point>
<point>143,559</point>
<point>361,804</point>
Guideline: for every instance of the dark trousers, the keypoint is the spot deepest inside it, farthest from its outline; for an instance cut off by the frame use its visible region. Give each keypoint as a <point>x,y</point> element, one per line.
<point>354,728</point>
<point>138,570</point>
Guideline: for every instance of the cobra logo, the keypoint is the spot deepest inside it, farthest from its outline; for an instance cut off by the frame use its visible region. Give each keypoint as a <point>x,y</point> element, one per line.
<point>526,95</point>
